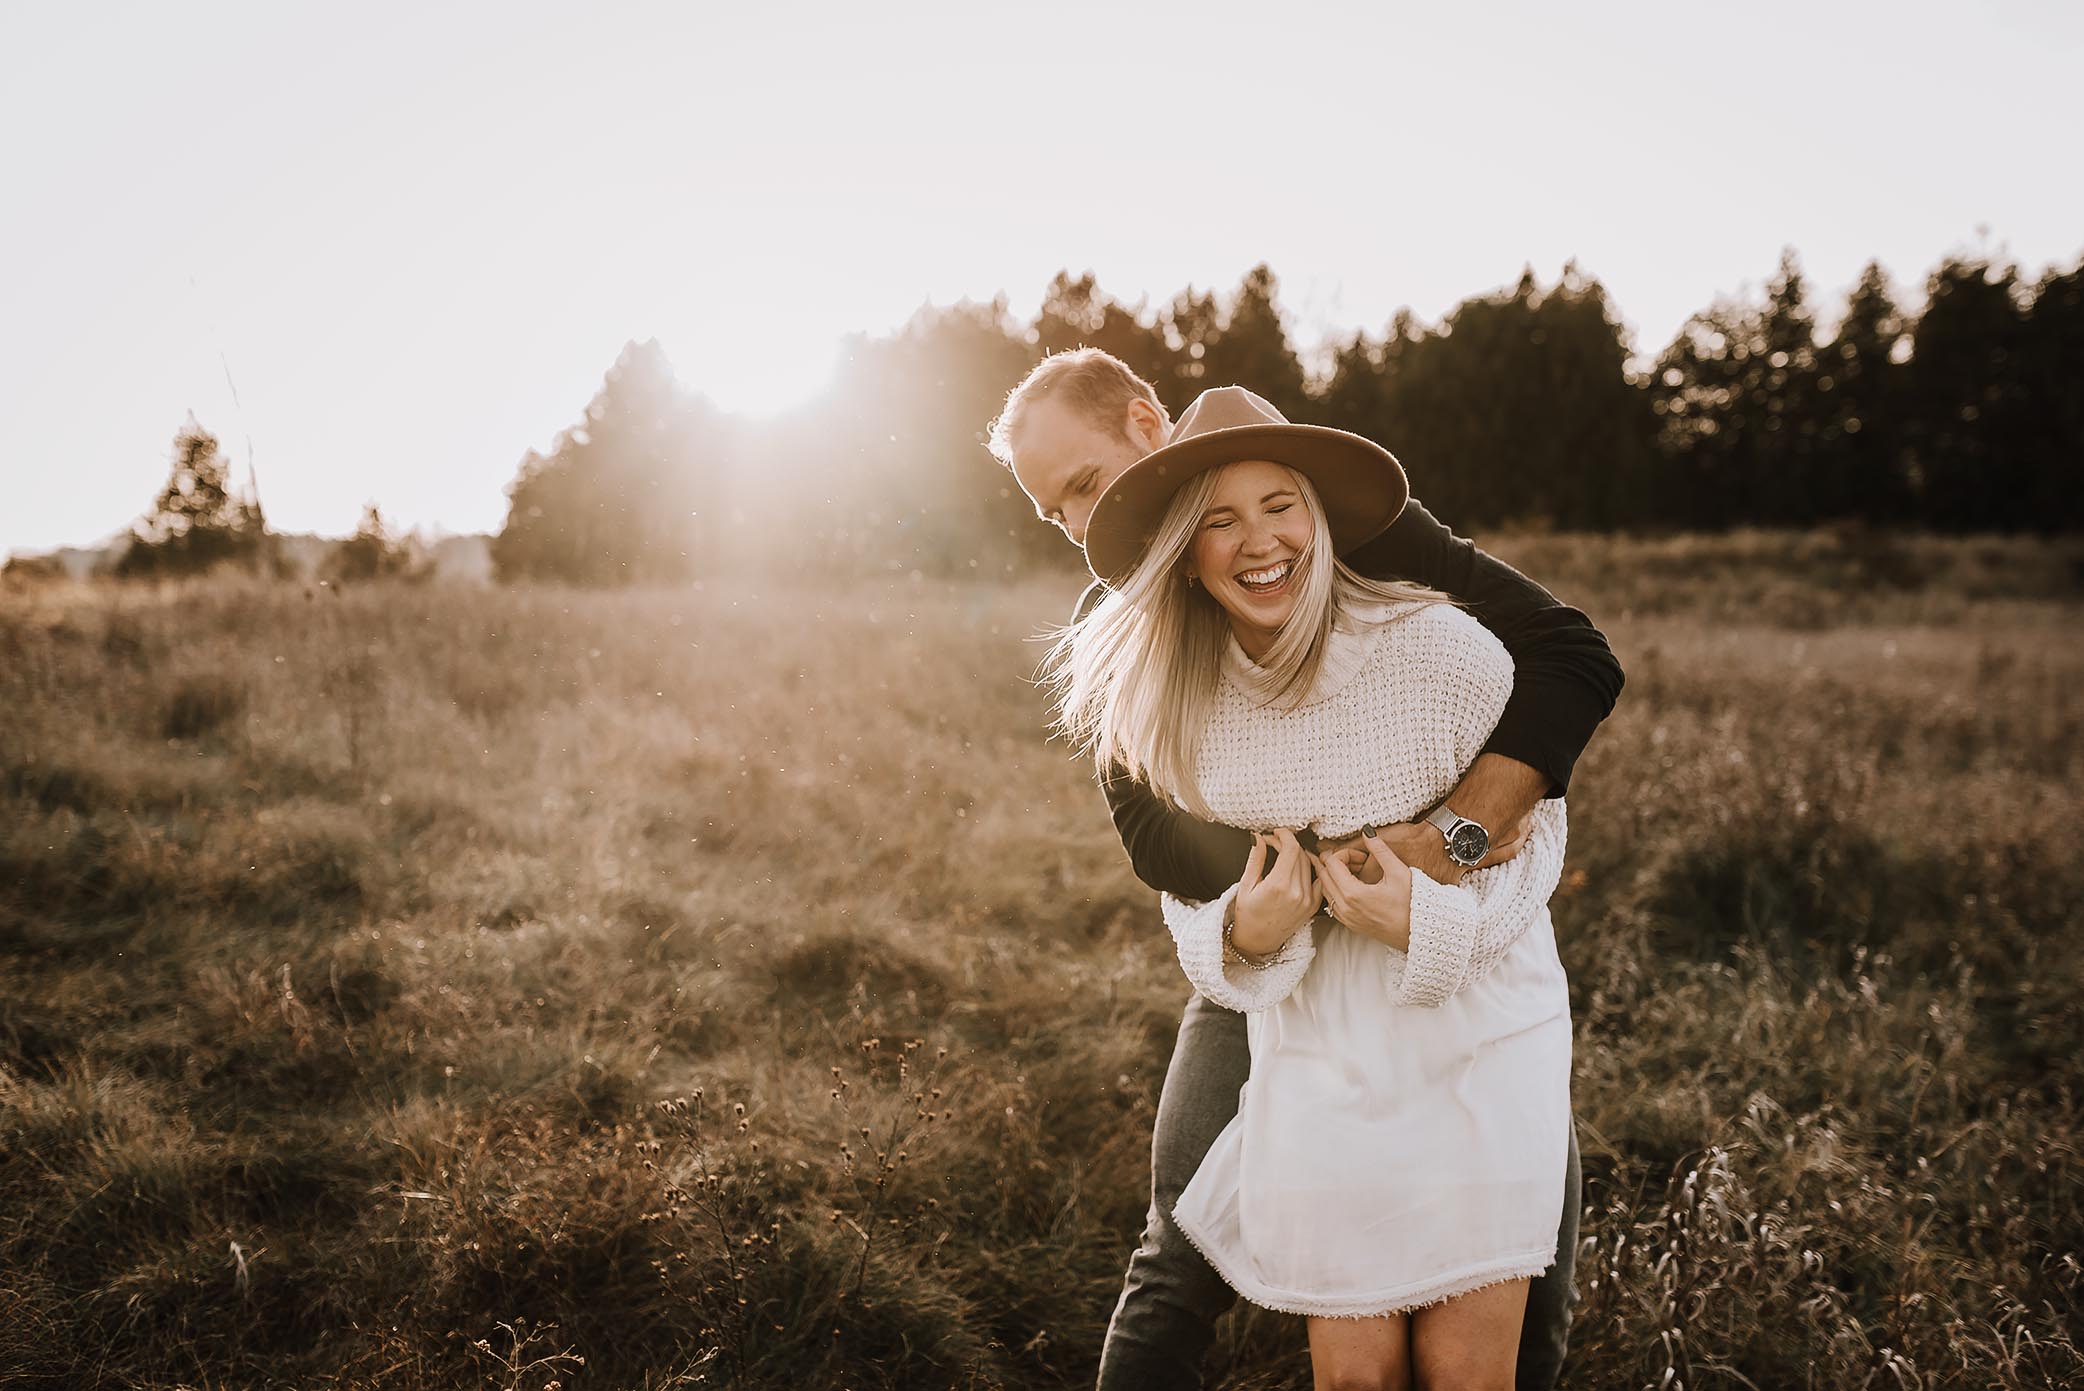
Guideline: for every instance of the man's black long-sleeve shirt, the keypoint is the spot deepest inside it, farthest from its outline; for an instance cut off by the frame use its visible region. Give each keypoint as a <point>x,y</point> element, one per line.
<point>1565,681</point>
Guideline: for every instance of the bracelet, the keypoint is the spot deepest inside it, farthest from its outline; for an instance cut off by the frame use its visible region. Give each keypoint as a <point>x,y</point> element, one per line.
<point>1231,948</point>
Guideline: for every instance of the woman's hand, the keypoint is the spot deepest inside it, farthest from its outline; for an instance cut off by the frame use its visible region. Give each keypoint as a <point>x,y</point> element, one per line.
<point>1272,906</point>
<point>1369,890</point>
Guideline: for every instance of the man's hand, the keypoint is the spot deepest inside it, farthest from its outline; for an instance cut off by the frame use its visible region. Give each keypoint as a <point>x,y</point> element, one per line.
<point>1499,794</point>
<point>1271,907</point>
<point>1414,843</point>
<point>1422,847</point>
<point>1377,906</point>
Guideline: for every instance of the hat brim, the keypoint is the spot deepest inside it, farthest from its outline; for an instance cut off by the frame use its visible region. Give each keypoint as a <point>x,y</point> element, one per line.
<point>1361,485</point>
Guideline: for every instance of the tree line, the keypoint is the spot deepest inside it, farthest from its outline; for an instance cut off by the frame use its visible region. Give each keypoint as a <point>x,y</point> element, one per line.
<point>1521,407</point>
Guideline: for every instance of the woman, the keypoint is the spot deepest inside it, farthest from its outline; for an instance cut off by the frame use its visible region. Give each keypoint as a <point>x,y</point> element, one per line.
<point>1394,1170</point>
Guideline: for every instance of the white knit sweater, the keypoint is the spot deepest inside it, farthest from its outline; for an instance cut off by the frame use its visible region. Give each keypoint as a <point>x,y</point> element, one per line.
<point>1402,707</point>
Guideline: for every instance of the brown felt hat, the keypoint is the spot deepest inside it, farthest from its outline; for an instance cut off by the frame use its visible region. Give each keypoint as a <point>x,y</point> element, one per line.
<point>1361,484</point>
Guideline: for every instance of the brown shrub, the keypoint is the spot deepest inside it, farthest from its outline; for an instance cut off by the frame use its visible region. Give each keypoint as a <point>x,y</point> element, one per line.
<point>201,705</point>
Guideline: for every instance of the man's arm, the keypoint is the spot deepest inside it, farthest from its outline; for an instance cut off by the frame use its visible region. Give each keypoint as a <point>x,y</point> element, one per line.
<point>1170,850</point>
<point>1565,676</point>
<point>1565,681</point>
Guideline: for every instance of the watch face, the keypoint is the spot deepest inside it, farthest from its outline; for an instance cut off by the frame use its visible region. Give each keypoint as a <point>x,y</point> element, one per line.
<point>1469,843</point>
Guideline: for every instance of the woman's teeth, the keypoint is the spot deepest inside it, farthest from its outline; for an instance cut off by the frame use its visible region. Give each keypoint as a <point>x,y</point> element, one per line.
<point>1263,581</point>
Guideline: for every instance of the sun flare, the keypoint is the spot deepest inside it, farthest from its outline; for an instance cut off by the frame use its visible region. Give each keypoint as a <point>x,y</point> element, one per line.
<point>754,367</point>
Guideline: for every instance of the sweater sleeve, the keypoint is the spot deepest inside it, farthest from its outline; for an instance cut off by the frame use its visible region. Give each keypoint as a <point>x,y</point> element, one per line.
<point>1197,931</point>
<point>1460,931</point>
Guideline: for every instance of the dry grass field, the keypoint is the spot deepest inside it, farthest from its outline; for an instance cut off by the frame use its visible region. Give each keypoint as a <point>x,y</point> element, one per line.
<point>426,987</point>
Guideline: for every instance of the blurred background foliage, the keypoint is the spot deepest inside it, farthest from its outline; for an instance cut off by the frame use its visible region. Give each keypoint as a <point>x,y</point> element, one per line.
<point>1523,407</point>
<point>1528,408</point>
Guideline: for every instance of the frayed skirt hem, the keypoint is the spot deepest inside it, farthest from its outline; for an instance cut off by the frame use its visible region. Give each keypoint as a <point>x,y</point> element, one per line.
<point>1400,1299</point>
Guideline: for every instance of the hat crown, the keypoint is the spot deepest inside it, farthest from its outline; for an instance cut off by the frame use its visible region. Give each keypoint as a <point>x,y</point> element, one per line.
<point>1360,484</point>
<point>1224,408</point>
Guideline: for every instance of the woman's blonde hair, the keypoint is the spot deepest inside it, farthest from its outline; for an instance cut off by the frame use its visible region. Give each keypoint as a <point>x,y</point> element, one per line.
<point>1135,678</point>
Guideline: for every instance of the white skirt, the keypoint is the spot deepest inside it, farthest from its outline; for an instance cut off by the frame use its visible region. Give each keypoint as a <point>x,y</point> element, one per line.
<point>1385,1157</point>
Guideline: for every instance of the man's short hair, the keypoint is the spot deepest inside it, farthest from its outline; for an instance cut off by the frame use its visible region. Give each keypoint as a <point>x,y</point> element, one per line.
<point>1097,385</point>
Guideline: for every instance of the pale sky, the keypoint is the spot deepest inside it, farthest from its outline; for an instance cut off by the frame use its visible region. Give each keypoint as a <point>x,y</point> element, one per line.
<point>415,236</point>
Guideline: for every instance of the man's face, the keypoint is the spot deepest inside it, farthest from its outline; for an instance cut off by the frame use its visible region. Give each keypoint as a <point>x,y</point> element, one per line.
<point>1064,461</point>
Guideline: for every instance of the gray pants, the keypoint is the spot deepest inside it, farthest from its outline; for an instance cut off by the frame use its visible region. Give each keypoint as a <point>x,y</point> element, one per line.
<point>1171,1299</point>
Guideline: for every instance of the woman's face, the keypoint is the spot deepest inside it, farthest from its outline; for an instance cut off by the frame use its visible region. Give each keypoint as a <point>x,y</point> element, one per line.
<point>1247,549</point>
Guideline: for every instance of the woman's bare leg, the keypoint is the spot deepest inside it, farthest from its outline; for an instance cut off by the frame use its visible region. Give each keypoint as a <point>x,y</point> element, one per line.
<point>1470,1343</point>
<point>1361,1354</point>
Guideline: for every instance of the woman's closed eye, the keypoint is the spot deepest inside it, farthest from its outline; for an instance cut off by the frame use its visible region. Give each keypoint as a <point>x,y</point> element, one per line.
<point>1220,523</point>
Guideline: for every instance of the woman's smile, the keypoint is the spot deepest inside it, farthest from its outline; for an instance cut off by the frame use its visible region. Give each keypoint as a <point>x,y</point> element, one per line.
<point>1270,580</point>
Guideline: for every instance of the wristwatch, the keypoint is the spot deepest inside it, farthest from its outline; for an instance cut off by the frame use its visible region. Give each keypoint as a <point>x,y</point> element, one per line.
<point>1467,841</point>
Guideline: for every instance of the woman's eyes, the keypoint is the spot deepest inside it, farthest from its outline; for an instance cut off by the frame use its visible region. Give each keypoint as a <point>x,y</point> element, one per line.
<point>1219,525</point>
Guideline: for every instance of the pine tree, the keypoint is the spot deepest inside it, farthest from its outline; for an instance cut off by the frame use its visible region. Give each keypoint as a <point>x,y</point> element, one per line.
<point>912,486</point>
<point>2052,350</point>
<point>1192,323</point>
<point>1518,407</point>
<point>1736,391</point>
<point>1076,313</point>
<point>197,521</point>
<point>372,552</point>
<point>1859,469</point>
<point>1969,426</point>
<point>1251,349</point>
<point>1784,398</point>
<point>619,498</point>
<point>1354,394</point>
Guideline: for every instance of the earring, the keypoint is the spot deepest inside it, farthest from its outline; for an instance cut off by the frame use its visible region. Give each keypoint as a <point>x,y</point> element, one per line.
<point>1191,579</point>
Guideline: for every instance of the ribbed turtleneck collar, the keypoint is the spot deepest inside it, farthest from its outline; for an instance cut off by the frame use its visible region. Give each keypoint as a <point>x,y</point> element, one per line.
<point>1345,650</point>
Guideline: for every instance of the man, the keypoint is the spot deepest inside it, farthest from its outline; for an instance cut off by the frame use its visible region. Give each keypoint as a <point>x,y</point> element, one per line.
<point>1068,431</point>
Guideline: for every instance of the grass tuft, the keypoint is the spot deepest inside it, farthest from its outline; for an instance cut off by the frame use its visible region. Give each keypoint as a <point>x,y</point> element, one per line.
<point>201,705</point>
